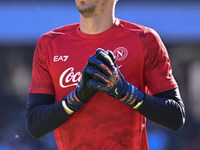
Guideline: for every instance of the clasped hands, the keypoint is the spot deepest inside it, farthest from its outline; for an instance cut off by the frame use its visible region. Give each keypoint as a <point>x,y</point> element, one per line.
<point>102,74</point>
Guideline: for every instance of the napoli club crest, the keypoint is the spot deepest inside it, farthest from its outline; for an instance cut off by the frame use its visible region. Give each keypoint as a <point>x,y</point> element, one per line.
<point>120,53</point>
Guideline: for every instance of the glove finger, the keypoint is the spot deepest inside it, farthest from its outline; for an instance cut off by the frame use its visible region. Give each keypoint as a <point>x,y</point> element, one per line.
<point>110,53</point>
<point>96,74</point>
<point>103,56</point>
<point>95,84</point>
<point>112,56</point>
<point>95,62</point>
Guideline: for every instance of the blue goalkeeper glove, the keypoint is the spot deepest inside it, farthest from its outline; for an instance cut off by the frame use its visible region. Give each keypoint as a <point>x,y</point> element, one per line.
<point>108,79</point>
<point>83,93</point>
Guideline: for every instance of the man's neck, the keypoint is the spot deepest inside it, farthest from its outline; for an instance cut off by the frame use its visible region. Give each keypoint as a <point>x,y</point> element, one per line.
<point>96,25</point>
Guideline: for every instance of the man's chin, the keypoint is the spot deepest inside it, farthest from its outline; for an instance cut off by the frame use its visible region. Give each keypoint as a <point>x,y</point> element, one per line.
<point>86,12</point>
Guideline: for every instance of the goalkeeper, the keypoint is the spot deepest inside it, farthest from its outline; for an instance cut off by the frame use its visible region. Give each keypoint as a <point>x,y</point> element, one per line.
<point>94,83</point>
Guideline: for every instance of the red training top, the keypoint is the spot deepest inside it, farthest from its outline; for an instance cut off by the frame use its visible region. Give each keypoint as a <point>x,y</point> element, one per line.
<point>103,122</point>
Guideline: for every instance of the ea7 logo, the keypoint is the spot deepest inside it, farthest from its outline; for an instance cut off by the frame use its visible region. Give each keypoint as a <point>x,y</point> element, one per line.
<point>60,58</point>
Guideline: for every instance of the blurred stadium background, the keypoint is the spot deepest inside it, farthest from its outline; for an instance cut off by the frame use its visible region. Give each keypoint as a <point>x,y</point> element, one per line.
<point>22,22</point>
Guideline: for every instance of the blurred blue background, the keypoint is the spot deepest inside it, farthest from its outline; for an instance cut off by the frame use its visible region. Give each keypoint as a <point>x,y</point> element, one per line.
<point>22,22</point>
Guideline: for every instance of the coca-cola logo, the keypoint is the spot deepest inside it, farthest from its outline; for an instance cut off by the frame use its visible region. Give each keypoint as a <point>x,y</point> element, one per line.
<point>69,78</point>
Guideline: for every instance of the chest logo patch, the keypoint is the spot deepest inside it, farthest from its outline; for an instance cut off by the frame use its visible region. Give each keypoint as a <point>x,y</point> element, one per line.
<point>120,53</point>
<point>58,58</point>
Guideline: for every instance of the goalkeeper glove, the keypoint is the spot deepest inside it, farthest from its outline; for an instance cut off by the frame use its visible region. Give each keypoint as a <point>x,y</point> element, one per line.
<point>83,93</point>
<point>108,79</point>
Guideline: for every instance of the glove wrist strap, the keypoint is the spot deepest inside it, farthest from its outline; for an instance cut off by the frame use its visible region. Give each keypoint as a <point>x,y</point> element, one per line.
<point>133,97</point>
<point>73,102</point>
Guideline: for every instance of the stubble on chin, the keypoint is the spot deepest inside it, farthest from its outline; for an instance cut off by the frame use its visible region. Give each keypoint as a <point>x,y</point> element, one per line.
<point>87,12</point>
